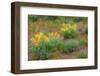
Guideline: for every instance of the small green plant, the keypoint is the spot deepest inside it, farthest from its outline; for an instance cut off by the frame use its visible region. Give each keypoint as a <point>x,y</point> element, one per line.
<point>71,45</point>
<point>82,55</point>
<point>83,42</point>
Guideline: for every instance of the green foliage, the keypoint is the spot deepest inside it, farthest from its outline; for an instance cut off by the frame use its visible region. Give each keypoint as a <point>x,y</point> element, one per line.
<point>71,33</point>
<point>43,50</point>
<point>82,55</point>
<point>78,19</point>
<point>83,42</point>
<point>66,19</point>
<point>72,19</point>
<point>55,44</point>
<point>33,18</point>
<point>71,45</point>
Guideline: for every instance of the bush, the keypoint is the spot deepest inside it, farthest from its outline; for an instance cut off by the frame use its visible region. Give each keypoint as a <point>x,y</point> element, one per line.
<point>55,44</point>
<point>44,49</point>
<point>40,51</point>
<point>82,55</point>
<point>71,45</point>
<point>69,31</point>
<point>69,34</point>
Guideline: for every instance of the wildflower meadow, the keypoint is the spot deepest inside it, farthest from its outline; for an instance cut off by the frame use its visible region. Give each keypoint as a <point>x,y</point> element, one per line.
<point>57,37</point>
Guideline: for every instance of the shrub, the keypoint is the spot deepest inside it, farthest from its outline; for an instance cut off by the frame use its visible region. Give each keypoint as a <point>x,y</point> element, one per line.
<point>41,51</point>
<point>44,49</point>
<point>69,31</point>
<point>69,34</point>
<point>71,45</point>
<point>55,44</point>
<point>82,55</point>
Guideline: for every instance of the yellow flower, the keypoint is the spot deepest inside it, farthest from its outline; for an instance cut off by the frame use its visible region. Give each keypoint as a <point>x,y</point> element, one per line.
<point>33,40</point>
<point>41,34</point>
<point>38,36</point>
<point>64,28</point>
<point>45,38</point>
<point>54,34</point>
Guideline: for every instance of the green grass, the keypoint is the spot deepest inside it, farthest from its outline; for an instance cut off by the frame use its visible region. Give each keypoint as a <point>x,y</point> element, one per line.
<point>82,55</point>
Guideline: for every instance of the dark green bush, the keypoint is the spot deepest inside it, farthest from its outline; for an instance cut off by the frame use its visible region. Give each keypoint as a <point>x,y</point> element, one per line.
<point>71,45</point>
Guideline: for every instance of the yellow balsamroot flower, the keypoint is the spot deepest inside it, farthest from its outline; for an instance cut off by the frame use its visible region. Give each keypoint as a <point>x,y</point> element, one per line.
<point>33,40</point>
<point>41,34</point>
<point>54,34</point>
<point>73,27</point>
<point>38,36</point>
<point>64,28</point>
<point>45,38</point>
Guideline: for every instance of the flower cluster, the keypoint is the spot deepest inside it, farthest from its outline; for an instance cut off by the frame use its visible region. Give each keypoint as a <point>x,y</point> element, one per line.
<point>67,27</point>
<point>69,31</point>
<point>54,34</point>
<point>39,36</point>
<point>64,31</point>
